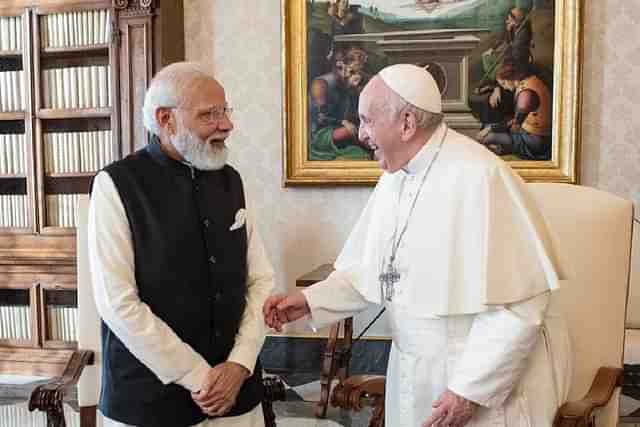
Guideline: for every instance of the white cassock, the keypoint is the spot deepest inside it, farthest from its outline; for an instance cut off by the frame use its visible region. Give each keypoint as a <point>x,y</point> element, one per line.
<point>473,310</point>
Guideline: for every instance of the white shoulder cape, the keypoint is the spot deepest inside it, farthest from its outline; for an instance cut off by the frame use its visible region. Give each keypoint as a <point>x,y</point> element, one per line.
<point>475,238</point>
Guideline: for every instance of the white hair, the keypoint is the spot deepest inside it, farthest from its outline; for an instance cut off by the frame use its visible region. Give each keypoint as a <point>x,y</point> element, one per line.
<point>167,87</point>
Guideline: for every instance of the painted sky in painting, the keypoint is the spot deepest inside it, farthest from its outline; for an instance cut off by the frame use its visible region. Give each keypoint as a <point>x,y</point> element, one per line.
<point>404,10</point>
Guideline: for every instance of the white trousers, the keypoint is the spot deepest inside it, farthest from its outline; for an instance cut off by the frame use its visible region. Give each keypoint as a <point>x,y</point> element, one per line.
<point>250,419</point>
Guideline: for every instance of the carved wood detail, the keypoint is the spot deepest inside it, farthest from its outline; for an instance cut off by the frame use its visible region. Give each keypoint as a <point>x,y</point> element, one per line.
<point>353,393</point>
<point>49,397</point>
<point>120,4</point>
<point>133,7</point>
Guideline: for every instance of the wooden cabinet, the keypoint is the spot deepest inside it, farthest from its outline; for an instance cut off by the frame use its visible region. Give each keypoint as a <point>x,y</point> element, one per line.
<point>73,75</point>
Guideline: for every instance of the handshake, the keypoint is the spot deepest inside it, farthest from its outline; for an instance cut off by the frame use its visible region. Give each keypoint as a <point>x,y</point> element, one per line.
<point>284,308</point>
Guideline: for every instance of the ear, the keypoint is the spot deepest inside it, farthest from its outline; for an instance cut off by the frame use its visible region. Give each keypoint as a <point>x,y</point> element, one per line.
<point>166,120</point>
<point>408,123</point>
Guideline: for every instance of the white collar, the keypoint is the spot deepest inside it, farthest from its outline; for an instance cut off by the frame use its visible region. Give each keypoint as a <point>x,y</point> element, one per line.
<point>423,157</point>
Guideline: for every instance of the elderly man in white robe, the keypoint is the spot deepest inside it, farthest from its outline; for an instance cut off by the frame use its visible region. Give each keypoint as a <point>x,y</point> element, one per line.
<point>453,246</point>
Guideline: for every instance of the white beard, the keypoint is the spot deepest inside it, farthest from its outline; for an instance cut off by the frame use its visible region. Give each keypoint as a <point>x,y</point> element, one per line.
<point>202,155</point>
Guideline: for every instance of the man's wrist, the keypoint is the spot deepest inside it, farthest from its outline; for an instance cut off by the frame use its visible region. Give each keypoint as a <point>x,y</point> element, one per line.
<point>241,368</point>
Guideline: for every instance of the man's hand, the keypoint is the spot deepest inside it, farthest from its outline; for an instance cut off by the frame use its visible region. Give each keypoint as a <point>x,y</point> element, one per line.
<point>284,308</point>
<point>495,97</point>
<point>350,127</point>
<point>220,388</point>
<point>451,410</point>
<point>513,125</point>
<point>480,136</point>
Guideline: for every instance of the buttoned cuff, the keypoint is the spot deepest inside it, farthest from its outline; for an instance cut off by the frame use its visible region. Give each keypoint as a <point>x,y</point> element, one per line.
<point>245,356</point>
<point>195,378</point>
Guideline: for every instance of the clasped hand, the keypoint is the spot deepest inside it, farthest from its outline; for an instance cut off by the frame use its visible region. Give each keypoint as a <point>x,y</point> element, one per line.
<point>284,308</point>
<point>220,388</point>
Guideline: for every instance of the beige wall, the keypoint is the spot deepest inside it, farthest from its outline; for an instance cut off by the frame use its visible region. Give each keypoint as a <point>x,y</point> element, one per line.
<point>610,148</point>
<point>304,227</point>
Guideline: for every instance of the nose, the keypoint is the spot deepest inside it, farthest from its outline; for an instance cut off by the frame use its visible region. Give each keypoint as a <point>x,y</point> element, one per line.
<point>362,135</point>
<point>225,124</point>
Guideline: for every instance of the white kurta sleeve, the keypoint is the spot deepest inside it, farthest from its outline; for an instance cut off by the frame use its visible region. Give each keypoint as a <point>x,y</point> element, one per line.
<point>496,352</point>
<point>334,299</point>
<point>111,260</point>
<point>251,333</point>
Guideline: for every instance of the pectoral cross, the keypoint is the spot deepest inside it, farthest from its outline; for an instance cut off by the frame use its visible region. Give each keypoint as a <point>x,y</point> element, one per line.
<point>388,280</point>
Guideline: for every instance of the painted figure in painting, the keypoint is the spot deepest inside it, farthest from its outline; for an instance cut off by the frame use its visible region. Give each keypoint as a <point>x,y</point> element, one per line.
<point>528,133</point>
<point>343,21</point>
<point>514,46</point>
<point>333,108</point>
<point>490,102</point>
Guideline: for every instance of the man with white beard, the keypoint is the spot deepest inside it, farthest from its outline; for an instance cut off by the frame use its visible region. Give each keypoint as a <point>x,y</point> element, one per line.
<point>179,270</point>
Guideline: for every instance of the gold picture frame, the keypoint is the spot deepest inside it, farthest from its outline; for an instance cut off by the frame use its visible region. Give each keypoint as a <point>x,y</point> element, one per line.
<point>566,127</point>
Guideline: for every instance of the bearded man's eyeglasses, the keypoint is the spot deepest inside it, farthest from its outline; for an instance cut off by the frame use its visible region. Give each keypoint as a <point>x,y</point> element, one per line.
<point>210,115</point>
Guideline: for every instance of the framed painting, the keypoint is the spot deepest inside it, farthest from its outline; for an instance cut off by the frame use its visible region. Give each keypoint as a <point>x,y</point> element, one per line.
<point>485,55</point>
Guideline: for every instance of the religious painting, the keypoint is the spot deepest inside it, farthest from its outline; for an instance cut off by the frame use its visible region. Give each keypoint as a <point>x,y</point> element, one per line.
<point>508,72</point>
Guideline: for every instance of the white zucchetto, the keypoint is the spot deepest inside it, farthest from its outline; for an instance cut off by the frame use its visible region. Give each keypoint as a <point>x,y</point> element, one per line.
<point>415,85</point>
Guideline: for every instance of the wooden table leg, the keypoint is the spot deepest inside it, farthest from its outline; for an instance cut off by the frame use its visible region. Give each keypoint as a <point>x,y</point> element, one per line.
<point>273,391</point>
<point>335,362</point>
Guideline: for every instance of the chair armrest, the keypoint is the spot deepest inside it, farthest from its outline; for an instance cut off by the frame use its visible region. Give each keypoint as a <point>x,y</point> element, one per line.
<point>49,397</point>
<point>580,412</point>
<point>357,391</point>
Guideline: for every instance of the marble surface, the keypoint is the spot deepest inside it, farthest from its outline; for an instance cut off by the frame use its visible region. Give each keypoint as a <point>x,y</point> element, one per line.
<point>304,355</point>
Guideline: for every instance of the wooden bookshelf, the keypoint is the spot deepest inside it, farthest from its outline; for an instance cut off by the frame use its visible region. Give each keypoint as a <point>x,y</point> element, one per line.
<point>71,175</point>
<point>63,122</point>
<point>73,113</point>
<point>12,115</point>
<point>10,54</point>
<point>99,49</point>
<point>13,185</point>
<point>56,296</point>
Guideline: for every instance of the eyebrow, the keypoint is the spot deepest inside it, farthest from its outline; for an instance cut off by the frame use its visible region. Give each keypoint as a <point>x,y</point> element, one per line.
<point>212,107</point>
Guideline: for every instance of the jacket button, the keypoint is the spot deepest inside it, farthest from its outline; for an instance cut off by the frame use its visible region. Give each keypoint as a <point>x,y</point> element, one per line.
<point>212,259</point>
<point>217,334</point>
<point>206,222</point>
<point>217,296</point>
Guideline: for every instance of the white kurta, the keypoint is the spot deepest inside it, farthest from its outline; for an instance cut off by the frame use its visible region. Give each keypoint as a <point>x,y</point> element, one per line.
<point>471,311</point>
<point>147,336</point>
<point>254,418</point>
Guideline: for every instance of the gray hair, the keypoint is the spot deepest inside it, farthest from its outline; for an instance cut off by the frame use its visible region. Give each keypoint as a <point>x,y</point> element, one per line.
<point>167,87</point>
<point>394,104</point>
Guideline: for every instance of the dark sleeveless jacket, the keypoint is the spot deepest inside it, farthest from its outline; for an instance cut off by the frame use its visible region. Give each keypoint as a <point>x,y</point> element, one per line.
<point>191,270</point>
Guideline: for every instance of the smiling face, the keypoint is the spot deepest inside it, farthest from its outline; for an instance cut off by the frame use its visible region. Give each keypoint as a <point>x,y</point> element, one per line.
<point>198,108</point>
<point>381,129</point>
<point>199,126</point>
